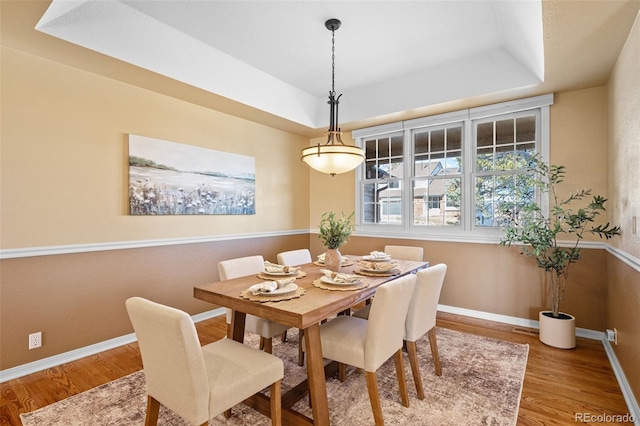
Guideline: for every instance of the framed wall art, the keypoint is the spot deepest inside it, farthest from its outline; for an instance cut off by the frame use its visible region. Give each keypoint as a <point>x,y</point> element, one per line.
<point>169,178</point>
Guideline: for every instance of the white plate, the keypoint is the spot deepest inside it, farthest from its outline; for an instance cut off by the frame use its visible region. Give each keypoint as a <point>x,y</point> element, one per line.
<point>280,274</point>
<point>328,280</point>
<point>288,288</point>
<point>377,259</point>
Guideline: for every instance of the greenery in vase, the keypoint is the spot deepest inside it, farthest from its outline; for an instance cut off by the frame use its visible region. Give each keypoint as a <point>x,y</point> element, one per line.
<point>538,234</point>
<point>335,231</point>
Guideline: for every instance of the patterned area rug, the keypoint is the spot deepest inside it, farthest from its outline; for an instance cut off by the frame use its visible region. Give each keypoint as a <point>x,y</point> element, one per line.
<point>481,384</point>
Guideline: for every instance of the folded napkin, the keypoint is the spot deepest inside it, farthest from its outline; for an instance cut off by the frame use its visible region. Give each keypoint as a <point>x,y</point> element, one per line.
<point>270,286</point>
<point>275,268</point>
<point>377,266</point>
<point>338,277</point>
<point>378,255</point>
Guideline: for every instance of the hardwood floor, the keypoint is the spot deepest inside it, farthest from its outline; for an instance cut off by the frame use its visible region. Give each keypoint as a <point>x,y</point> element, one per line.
<point>558,386</point>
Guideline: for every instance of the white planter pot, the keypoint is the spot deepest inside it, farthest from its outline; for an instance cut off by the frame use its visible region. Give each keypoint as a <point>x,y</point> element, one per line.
<point>558,332</point>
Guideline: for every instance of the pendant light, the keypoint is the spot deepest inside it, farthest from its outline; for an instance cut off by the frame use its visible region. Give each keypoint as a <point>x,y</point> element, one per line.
<point>334,157</point>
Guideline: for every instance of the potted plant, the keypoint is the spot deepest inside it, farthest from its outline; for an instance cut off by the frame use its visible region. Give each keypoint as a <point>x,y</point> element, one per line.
<point>544,237</point>
<point>334,232</point>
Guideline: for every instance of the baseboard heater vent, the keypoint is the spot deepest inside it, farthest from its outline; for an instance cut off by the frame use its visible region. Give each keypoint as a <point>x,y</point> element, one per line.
<point>522,330</point>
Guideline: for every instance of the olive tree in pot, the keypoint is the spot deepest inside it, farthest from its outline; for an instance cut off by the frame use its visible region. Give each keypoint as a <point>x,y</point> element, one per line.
<point>334,232</point>
<point>553,240</point>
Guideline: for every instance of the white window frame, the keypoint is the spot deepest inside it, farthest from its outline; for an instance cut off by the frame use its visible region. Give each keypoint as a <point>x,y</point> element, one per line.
<point>467,231</point>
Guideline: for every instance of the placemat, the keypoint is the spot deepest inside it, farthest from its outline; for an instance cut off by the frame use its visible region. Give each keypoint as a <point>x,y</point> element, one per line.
<point>390,273</point>
<point>266,276</point>
<point>247,294</point>
<point>345,263</point>
<point>339,287</point>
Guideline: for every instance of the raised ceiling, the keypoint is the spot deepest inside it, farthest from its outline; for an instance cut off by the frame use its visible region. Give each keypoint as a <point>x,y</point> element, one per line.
<point>393,58</point>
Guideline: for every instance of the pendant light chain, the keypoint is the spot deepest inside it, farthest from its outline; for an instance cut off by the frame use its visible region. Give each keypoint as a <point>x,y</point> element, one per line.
<point>333,62</point>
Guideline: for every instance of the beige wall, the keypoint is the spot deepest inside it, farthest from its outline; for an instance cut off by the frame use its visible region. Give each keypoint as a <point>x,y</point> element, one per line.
<point>64,165</point>
<point>623,180</point>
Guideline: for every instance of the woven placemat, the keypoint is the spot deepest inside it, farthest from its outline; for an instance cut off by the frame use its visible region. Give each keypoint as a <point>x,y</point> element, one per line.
<point>345,263</point>
<point>266,276</point>
<point>339,287</point>
<point>247,294</point>
<point>390,273</point>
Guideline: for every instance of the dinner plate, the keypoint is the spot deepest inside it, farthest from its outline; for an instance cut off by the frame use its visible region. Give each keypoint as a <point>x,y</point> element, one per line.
<point>280,274</point>
<point>285,289</point>
<point>376,259</point>
<point>328,280</point>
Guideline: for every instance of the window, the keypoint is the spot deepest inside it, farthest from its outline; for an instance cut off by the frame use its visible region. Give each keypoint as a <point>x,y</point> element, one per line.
<point>450,175</point>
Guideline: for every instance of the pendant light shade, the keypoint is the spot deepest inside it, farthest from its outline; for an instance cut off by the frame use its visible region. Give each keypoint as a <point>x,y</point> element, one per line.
<point>334,157</point>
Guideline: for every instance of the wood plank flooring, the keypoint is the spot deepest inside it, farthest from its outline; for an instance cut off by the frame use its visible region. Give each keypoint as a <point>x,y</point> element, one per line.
<point>558,385</point>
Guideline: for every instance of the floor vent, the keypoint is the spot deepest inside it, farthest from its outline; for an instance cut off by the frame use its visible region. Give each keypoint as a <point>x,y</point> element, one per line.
<point>530,331</point>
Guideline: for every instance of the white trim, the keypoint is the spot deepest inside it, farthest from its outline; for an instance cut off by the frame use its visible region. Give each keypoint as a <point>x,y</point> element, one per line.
<point>629,397</point>
<point>120,245</point>
<point>54,361</point>
<point>376,130</point>
<point>522,322</point>
<point>511,106</point>
<point>630,260</point>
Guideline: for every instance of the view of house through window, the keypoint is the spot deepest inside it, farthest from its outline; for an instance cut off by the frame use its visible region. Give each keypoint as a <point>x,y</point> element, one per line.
<point>454,172</point>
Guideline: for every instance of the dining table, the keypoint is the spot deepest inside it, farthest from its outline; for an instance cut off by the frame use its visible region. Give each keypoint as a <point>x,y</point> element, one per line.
<point>311,305</point>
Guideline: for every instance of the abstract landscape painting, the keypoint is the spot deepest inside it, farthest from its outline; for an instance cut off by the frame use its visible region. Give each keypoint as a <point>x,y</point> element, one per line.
<point>169,178</point>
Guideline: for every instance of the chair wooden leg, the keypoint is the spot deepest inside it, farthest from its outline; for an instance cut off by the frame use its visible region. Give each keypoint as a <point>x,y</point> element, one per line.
<point>374,397</point>
<point>268,345</point>
<point>262,340</point>
<point>227,413</point>
<point>275,403</point>
<point>229,331</point>
<point>300,351</point>
<point>283,336</point>
<point>153,409</point>
<point>415,368</point>
<point>342,371</point>
<point>402,381</point>
<point>434,351</point>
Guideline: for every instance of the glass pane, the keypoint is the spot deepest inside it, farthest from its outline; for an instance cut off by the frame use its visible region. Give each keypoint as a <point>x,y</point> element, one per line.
<point>397,146</point>
<point>421,143</point>
<point>382,202</point>
<point>526,129</point>
<point>504,131</point>
<point>383,147</point>
<point>484,134</point>
<point>484,159</point>
<point>371,169</point>
<point>370,148</point>
<point>454,162</point>
<point>524,153</point>
<point>437,140</point>
<point>504,158</point>
<point>454,138</point>
<point>396,169</point>
<point>484,201</point>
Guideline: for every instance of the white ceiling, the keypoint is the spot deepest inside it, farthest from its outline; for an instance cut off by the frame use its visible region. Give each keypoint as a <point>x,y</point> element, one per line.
<point>270,61</point>
<point>275,56</point>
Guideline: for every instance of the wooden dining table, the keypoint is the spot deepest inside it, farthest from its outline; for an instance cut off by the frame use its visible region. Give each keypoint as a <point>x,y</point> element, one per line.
<point>305,313</point>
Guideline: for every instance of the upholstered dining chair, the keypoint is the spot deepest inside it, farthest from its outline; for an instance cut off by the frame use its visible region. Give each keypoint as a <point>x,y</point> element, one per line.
<point>369,344</point>
<point>421,319</point>
<point>295,258</point>
<point>405,252</point>
<point>266,329</point>
<point>195,382</point>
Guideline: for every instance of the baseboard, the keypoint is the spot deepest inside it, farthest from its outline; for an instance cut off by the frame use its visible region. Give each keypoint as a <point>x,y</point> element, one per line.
<point>54,361</point>
<point>521,322</point>
<point>632,404</point>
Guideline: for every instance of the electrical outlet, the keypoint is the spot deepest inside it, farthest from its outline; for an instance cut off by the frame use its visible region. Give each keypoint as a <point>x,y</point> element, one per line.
<point>612,335</point>
<point>35,340</point>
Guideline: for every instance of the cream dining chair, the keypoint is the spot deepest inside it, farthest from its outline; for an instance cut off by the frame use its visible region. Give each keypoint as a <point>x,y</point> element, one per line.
<point>295,258</point>
<point>405,252</point>
<point>369,344</point>
<point>266,329</point>
<point>195,382</point>
<point>421,319</point>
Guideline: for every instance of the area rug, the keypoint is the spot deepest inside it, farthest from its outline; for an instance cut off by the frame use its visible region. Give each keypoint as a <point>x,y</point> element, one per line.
<point>481,384</point>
